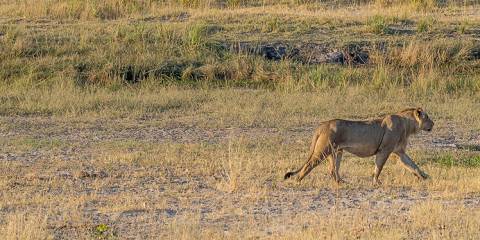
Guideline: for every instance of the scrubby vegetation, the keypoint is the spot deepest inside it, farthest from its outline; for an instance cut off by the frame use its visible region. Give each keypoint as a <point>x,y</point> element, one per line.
<point>170,43</point>
<point>177,118</point>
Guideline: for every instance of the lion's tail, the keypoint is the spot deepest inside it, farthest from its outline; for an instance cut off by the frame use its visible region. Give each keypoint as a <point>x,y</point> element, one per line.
<point>289,174</point>
<point>312,149</point>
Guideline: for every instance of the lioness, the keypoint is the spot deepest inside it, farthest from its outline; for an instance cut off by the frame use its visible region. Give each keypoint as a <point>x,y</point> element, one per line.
<point>380,137</point>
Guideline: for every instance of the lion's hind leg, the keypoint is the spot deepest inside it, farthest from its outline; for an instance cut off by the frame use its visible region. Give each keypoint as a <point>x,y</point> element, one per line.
<point>335,160</point>
<point>320,149</point>
<point>312,150</point>
<point>311,164</point>
<point>323,149</point>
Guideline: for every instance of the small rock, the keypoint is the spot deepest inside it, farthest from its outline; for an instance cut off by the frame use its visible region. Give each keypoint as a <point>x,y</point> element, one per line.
<point>132,212</point>
<point>92,173</point>
<point>308,53</point>
<point>274,53</point>
<point>64,174</point>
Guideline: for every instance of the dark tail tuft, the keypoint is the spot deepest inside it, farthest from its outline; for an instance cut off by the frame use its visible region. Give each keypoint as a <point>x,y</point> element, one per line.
<point>288,175</point>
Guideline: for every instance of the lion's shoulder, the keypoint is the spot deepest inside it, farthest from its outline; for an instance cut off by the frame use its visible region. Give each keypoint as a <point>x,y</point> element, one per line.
<point>394,122</point>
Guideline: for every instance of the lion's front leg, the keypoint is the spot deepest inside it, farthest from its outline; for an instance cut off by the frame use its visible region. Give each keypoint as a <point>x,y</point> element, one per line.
<point>380,160</point>
<point>411,166</point>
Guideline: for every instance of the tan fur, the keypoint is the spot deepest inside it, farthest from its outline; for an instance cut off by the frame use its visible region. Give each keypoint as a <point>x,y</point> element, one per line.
<point>380,137</point>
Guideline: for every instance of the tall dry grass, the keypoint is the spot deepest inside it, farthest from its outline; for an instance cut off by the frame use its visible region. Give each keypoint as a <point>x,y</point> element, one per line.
<point>166,43</point>
<point>184,54</point>
<point>115,9</point>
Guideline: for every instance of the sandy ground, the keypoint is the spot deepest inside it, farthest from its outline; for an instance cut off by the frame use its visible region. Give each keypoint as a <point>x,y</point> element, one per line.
<point>167,203</point>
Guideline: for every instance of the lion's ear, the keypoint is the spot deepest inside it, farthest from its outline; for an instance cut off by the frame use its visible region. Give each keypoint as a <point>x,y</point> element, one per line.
<point>419,112</point>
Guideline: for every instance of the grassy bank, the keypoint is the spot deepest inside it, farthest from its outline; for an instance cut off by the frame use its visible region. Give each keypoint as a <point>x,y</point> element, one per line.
<point>419,50</point>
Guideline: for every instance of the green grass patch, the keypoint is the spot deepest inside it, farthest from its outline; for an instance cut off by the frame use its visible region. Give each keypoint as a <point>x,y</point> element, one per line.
<point>22,144</point>
<point>425,24</point>
<point>378,24</point>
<point>450,160</point>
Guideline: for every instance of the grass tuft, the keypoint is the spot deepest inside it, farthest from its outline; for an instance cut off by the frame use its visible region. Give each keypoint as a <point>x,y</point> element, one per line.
<point>378,24</point>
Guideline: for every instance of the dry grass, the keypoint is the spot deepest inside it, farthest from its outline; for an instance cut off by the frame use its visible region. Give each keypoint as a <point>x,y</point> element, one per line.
<point>131,119</point>
<point>215,169</point>
<point>25,226</point>
<point>238,108</point>
<point>228,189</point>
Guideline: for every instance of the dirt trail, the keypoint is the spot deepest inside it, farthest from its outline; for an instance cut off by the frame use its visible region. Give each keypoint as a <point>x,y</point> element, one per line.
<point>79,136</point>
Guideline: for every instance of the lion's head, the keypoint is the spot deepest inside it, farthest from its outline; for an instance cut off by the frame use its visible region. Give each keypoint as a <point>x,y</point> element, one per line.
<point>424,122</point>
